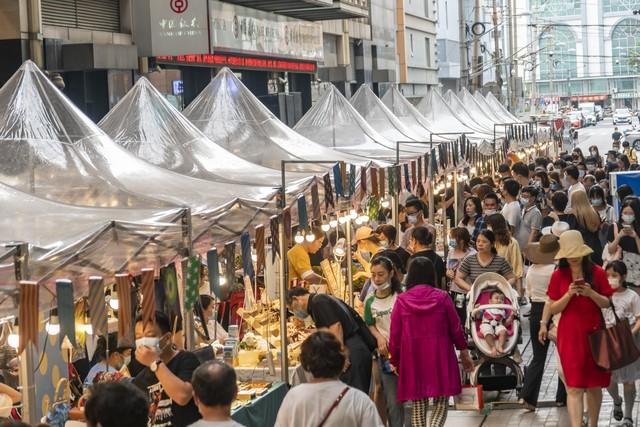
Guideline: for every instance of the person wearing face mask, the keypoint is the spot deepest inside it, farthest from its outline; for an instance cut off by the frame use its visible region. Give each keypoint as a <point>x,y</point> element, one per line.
<point>107,358</point>
<point>592,164</point>
<point>459,248</point>
<point>387,234</point>
<point>490,205</point>
<point>624,240</point>
<point>629,152</point>
<point>167,374</point>
<point>207,327</point>
<point>473,218</point>
<point>595,154</point>
<point>377,315</point>
<point>367,245</point>
<point>627,306</point>
<point>530,224</point>
<point>599,203</point>
<point>414,208</point>
<point>333,315</point>
<point>511,210</point>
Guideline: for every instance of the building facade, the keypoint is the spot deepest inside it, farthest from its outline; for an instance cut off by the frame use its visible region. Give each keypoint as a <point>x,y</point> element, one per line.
<point>582,51</point>
<point>448,45</point>
<point>416,22</point>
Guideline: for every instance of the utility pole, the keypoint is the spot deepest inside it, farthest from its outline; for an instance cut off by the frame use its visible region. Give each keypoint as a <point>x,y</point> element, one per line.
<point>475,61</point>
<point>514,59</point>
<point>496,58</point>
<point>534,66</point>
<point>509,64</point>
<point>464,60</point>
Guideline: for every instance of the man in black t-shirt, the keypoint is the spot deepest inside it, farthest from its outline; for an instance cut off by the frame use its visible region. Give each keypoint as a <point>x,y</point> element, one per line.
<point>331,314</point>
<point>166,376</point>
<point>421,243</point>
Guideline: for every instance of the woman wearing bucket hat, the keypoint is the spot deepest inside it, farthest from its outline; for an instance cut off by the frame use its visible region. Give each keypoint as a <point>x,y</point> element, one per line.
<point>579,289</point>
<point>542,257</point>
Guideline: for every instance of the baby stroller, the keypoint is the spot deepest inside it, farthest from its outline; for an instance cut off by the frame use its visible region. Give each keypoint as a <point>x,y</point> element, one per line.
<point>501,372</point>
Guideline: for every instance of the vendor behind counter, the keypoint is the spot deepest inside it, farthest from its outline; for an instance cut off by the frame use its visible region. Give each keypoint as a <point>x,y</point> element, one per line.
<point>300,261</point>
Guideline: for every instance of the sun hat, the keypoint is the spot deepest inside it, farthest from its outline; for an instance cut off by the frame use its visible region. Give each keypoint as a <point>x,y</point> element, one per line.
<point>572,245</point>
<point>559,227</point>
<point>363,233</point>
<point>544,251</point>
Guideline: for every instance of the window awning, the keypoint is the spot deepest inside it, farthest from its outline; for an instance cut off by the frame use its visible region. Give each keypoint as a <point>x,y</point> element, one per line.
<point>310,10</point>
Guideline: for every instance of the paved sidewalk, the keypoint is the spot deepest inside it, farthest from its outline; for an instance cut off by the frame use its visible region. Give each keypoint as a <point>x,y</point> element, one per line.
<point>543,417</point>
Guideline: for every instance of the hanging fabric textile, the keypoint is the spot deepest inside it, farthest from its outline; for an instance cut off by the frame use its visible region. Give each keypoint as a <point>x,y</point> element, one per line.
<point>28,315</point>
<point>337,180</point>
<point>66,310</point>
<point>97,305</point>
<point>383,183</point>
<point>420,168</point>
<point>391,181</point>
<point>345,181</point>
<point>274,223</point>
<point>303,219</point>
<point>407,179</point>
<point>286,220</point>
<point>193,282</point>
<point>230,263</point>
<point>414,173</point>
<point>363,180</point>
<point>247,261</point>
<point>398,180</point>
<point>374,182</point>
<point>169,281</point>
<point>260,251</point>
<point>328,192</point>
<point>213,270</point>
<point>315,201</point>
<point>352,180</point>
<point>126,336</point>
<point>148,289</point>
<point>434,164</point>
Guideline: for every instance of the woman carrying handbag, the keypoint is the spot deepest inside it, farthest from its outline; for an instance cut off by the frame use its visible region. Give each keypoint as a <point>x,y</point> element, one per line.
<point>626,304</point>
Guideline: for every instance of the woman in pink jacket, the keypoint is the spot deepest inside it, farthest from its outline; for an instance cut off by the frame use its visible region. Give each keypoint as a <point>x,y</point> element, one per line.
<point>424,330</point>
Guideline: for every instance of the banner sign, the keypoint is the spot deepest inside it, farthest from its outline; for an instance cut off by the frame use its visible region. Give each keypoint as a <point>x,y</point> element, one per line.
<point>241,29</point>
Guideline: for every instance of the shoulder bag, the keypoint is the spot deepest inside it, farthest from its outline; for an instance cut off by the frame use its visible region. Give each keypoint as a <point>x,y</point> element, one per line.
<point>613,348</point>
<point>334,405</point>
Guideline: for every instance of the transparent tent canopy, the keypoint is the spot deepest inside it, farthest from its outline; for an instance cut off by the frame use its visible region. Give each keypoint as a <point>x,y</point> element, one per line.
<point>489,109</point>
<point>334,122</point>
<point>436,110</point>
<point>52,150</point>
<point>482,114</point>
<point>232,117</point>
<point>148,126</point>
<point>464,115</point>
<point>8,280</point>
<point>373,110</point>
<point>75,242</point>
<point>499,108</point>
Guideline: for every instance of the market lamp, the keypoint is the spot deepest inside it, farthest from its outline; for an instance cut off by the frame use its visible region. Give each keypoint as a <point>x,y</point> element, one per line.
<point>113,301</point>
<point>385,203</point>
<point>299,238</point>
<point>326,225</point>
<point>53,325</point>
<point>14,339</point>
<point>339,250</point>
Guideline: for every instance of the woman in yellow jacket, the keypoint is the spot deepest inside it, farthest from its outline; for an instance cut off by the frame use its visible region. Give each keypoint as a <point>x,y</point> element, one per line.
<point>507,247</point>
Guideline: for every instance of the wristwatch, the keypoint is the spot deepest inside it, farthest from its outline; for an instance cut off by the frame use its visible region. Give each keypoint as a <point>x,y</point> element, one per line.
<point>154,365</point>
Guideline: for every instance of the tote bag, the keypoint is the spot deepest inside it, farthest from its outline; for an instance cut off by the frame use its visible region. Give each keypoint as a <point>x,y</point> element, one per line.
<point>613,348</point>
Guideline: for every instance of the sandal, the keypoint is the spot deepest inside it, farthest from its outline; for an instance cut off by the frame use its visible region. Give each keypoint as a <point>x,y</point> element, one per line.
<point>617,410</point>
<point>627,422</point>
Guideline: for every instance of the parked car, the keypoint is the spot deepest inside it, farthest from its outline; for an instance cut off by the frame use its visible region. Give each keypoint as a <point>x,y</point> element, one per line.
<point>633,136</point>
<point>589,118</point>
<point>621,115</point>
<point>576,119</point>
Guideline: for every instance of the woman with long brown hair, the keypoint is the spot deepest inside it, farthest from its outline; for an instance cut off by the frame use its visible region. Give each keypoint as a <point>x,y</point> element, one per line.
<point>588,223</point>
<point>507,247</point>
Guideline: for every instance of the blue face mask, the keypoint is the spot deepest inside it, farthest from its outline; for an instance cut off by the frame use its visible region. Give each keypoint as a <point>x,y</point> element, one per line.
<point>555,186</point>
<point>596,202</point>
<point>300,314</point>
<point>453,244</point>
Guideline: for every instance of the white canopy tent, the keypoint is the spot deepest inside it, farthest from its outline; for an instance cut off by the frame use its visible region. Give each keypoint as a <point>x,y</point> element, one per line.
<point>50,149</point>
<point>335,123</point>
<point>500,109</point>
<point>232,117</point>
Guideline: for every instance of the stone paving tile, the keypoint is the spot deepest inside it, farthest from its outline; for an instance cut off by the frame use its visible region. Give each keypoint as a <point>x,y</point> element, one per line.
<point>543,417</point>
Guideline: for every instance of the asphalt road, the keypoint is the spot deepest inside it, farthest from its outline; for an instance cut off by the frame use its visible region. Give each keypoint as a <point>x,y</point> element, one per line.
<point>599,135</point>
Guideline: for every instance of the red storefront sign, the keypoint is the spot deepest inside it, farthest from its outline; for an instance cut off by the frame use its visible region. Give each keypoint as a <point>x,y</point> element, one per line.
<point>236,61</point>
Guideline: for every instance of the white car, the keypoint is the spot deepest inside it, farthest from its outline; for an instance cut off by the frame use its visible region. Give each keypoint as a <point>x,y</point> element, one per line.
<point>621,115</point>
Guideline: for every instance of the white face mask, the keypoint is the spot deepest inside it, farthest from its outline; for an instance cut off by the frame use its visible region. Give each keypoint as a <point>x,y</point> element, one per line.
<point>489,211</point>
<point>412,219</point>
<point>151,342</point>
<point>628,219</point>
<point>614,282</point>
<point>382,287</point>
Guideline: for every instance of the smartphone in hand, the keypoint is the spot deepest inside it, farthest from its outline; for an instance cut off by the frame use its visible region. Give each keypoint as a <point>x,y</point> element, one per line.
<point>579,282</point>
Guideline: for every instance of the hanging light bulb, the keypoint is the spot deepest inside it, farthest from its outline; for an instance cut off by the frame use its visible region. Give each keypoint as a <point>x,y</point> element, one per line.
<point>473,170</point>
<point>299,238</point>
<point>449,177</point>
<point>339,250</point>
<point>53,325</point>
<point>364,218</point>
<point>325,227</point>
<point>113,301</point>
<point>333,223</point>
<point>222,280</point>
<point>14,339</point>
<point>343,219</point>
<point>310,237</point>
<point>353,214</point>
<point>358,221</point>
<point>385,203</point>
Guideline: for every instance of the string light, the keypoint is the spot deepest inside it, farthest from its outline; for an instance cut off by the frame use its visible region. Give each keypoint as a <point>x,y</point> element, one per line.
<point>310,237</point>
<point>53,325</point>
<point>325,227</point>
<point>299,238</point>
<point>14,339</point>
<point>113,301</point>
<point>385,203</point>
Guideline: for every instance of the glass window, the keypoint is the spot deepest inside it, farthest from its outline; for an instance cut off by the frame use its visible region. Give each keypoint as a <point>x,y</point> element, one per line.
<point>620,5</point>
<point>624,84</point>
<point>557,55</point>
<point>169,84</point>
<point>599,85</point>
<point>553,8</point>
<point>427,51</point>
<point>120,81</point>
<point>625,47</point>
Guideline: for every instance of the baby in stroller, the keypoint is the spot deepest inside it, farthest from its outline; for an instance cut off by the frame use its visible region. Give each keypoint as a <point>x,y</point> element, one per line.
<point>494,323</point>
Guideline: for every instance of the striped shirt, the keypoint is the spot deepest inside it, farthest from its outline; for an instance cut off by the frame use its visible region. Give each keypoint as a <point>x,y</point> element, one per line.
<point>472,268</point>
